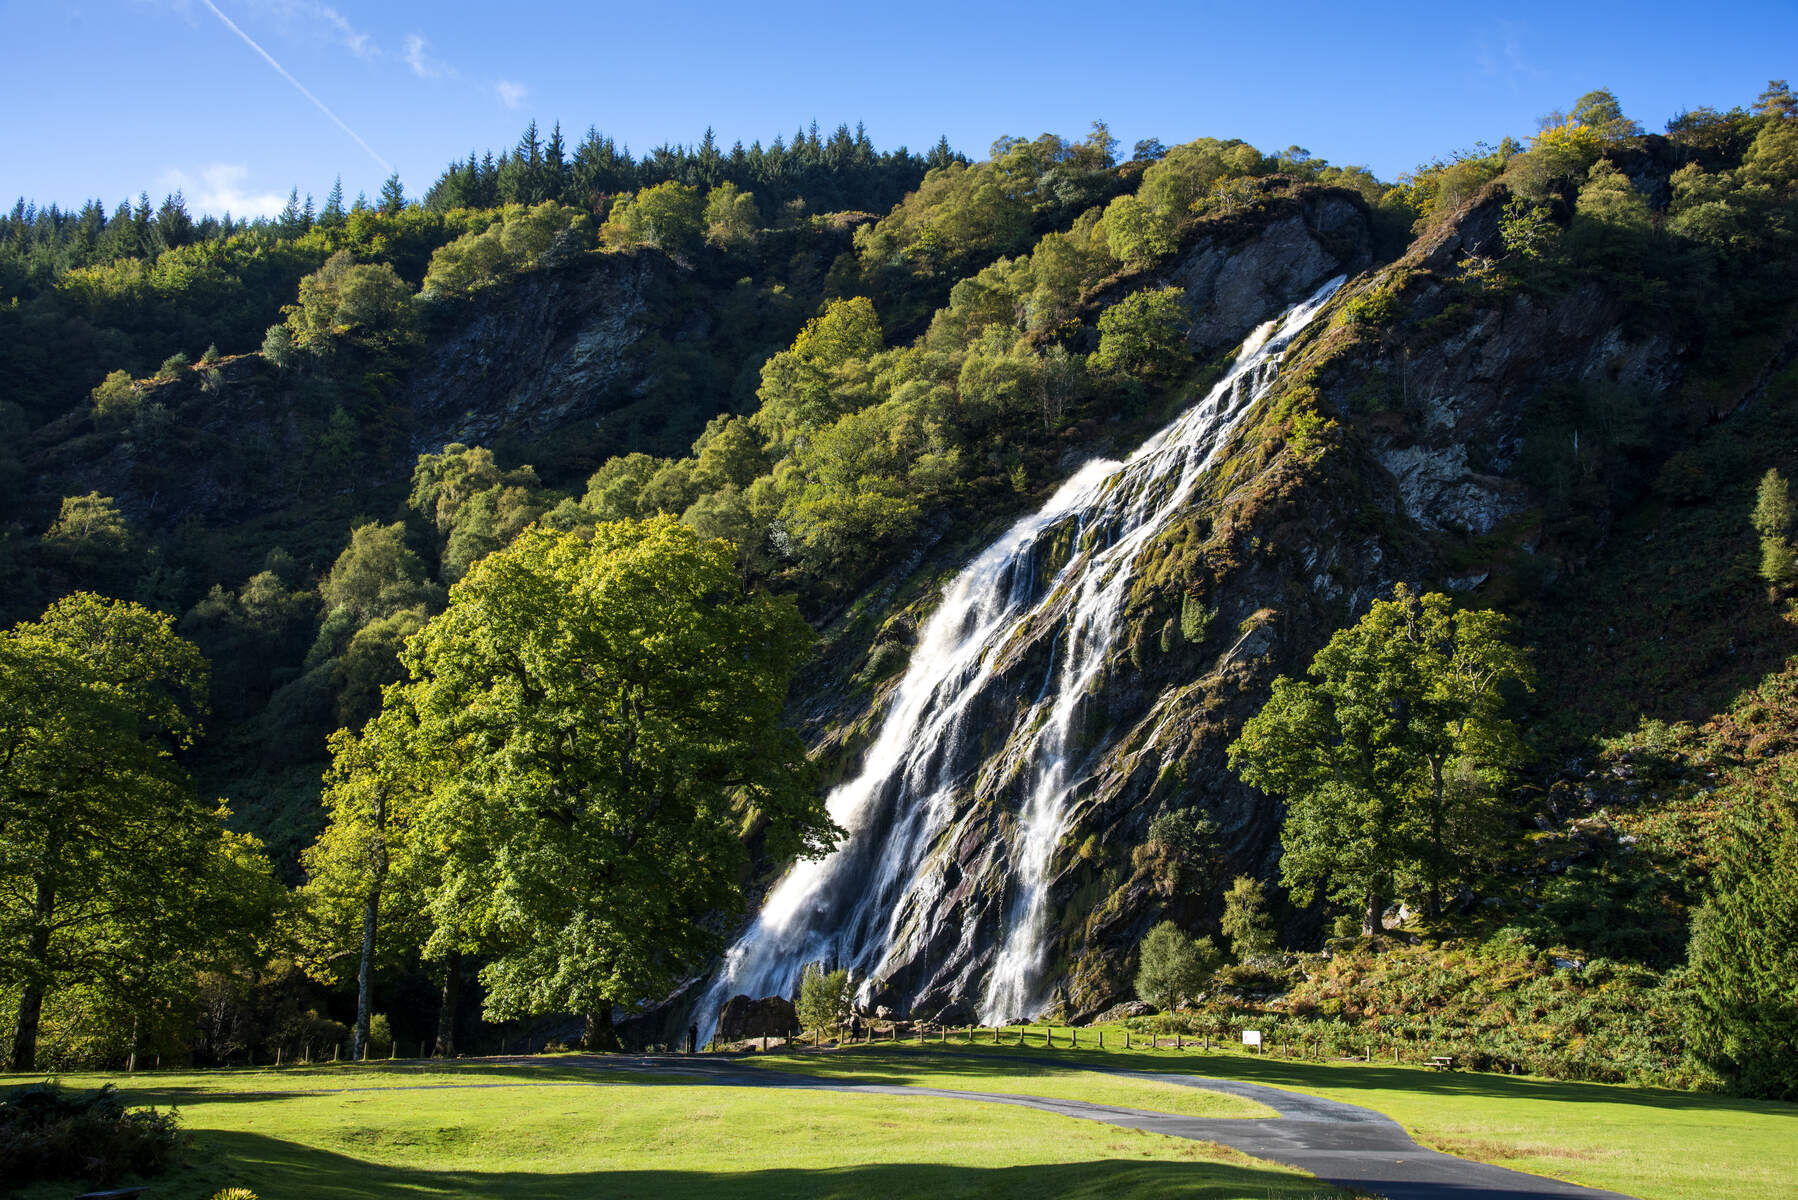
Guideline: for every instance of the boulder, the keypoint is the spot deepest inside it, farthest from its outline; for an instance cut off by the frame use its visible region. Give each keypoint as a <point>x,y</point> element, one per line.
<point>742,1017</point>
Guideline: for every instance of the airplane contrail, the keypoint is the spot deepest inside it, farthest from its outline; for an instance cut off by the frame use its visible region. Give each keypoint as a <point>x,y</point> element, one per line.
<point>270,59</point>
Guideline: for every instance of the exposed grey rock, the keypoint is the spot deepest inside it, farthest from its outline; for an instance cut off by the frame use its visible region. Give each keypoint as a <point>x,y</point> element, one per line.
<point>742,1017</point>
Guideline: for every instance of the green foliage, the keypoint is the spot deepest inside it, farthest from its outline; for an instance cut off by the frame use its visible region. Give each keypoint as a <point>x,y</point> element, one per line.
<point>89,525</point>
<point>1436,190</point>
<point>173,367</point>
<point>344,300</point>
<point>731,218</point>
<point>376,575</point>
<point>963,215</point>
<point>824,374</point>
<point>669,216</point>
<point>1140,230</point>
<point>1773,520</point>
<point>363,879</point>
<point>1180,853</point>
<point>607,711</point>
<point>824,1000</point>
<point>1144,335</point>
<point>476,507</point>
<point>112,874</point>
<point>1389,762</point>
<point>116,398</point>
<point>511,239</point>
<point>1529,230</point>
<point>1246,922</point>
<point>1195,618</point>
<point>1744,951</point>
<point>48,1133</point>
<point>277,346</point>
<point>1174,968</point>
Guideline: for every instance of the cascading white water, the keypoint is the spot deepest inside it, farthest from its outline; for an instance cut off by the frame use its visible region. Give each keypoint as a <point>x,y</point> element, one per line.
<point>853,907</point>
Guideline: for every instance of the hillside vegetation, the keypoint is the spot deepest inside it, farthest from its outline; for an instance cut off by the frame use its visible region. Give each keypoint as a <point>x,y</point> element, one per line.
<point>366,477</point>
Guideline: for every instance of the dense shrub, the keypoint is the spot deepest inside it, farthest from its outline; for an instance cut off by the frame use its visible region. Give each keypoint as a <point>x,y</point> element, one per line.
<point>49,1133</point>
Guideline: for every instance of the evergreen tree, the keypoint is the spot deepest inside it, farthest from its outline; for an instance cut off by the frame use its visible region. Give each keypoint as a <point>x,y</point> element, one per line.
<point>393,196</point>
<point>1773,520</point>
<point>1744,949</point>
<point>333,215</point>
<point>1245,921</point>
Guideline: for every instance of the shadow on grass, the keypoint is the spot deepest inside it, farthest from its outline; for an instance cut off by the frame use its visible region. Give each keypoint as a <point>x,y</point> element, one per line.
<point>281,1170</point>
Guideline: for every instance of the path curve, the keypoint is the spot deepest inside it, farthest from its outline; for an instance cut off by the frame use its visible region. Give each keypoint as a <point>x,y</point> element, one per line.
<point>1340,1143</point>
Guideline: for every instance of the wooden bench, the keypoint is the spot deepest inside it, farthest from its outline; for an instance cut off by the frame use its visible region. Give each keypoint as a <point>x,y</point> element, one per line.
<point>1441,1062</point>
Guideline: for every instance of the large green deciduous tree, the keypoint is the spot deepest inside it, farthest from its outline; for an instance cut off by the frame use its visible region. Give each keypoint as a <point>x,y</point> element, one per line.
<point>1390,761</point>
<point>357,869</point>
<point>110,867</point>
<point>613,705</point>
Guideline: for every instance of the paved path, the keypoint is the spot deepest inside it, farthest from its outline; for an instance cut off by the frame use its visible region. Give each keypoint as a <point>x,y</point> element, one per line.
<point>1339,1143</point>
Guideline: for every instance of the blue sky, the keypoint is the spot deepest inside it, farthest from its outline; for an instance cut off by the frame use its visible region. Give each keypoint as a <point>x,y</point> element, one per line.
<point>110,98</point>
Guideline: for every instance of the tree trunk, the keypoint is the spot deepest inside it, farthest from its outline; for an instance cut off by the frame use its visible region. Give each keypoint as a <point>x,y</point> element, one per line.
<point>1432,905</point>
<point>599,1034</point>
<point>1371,917</point>
<point>31,997</point>
<point>446,1011</point>
<point>365,977</point>
<point>24,1038</point>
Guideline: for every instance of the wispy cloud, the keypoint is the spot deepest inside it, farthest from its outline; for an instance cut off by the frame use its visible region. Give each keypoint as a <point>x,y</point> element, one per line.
<point>300,87</point>
<point>353,39</point>
<point>420,59</point>
<point>222,188</point>
<point>321,20</point>
<point>1499,53</point>
<point>510,94</point>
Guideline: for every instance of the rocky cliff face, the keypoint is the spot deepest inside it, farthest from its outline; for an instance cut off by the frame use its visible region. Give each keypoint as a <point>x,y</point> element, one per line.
<point>1429,386</point>
<point>550,360</point>
<point>558,348</point>
<point>1135,723</point>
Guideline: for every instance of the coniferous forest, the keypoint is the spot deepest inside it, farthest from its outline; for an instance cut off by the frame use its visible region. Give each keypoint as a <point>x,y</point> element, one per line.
<point>436,619</point>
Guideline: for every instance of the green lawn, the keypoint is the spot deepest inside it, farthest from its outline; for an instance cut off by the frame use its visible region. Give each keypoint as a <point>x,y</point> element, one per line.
<point>1648,1142</point>
<point>552,1129</point>
<point>952,1067</point>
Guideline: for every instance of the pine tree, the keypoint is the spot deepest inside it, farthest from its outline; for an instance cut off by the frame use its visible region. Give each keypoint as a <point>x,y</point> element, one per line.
<point>288,223</point>
<point>393,196</point>
<point>333,215</point>
<point>553,178</point>
<point>1772,519</point>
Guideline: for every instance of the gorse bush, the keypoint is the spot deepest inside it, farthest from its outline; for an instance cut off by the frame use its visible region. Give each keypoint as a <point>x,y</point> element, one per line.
<point>49,1133</point>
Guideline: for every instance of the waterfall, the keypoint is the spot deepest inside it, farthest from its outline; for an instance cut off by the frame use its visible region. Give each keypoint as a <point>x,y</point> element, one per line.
<point>859,907</point>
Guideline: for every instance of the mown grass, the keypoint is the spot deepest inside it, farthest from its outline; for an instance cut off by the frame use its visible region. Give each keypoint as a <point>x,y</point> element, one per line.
<point>948,1067</point>
<point>560,1129</point>
<point>1654,1143</point>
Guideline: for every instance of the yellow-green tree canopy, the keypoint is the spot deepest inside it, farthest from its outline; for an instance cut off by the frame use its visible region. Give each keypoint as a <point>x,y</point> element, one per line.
<point>112,872</point>
<point>613,702</point>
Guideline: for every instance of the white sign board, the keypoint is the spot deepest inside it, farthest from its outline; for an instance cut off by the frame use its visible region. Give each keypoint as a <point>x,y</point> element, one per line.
<point>1251,1037</point>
